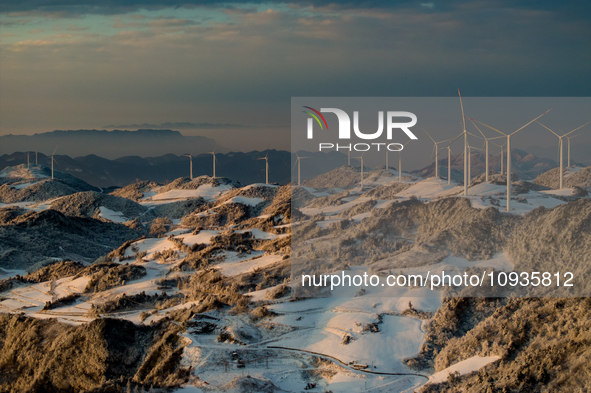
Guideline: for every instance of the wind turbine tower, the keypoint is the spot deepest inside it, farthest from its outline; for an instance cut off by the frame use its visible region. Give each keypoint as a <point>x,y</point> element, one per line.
<point>448,165</point>
<point>52,161</point>
<point>361,161</point>
<point>190,164</point>
<point>470,148</point>
<point>400,161</point>
<point>298,164</point>
<point>501,146</point>
<point>436,148</point>
<point>214,160</point>
<point>266,158</point>
<point>465,147</point>
<point>486,149</point>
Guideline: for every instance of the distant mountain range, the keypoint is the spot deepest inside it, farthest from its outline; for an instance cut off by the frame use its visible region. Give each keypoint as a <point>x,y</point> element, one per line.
<point>246,168</point>
<point>526,165</point>
<point>109,144</point>
<point>243,167</point>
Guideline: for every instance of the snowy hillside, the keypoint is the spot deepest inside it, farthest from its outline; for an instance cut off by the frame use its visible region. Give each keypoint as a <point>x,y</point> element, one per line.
<point>195,285</point>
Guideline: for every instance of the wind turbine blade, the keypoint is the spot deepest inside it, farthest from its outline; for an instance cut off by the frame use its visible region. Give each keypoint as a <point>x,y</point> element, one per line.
<point>578,128</point>
<point>486,125</point>
<point>54,150</point>
<point>481,133</point>
<point>429,136</point>
<point>456,158</point>
<point>294,164</point>
<point>462,106</point>
<point>443,141</point>
<point>476,136</point>
<point>450,143</point>
<point>548,129</point>
<point>433,152</point>
<point>481,151</point>
<point>522,127</point>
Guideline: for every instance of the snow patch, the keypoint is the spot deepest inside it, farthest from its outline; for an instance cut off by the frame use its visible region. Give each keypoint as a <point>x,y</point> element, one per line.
<point>245,200</point>
<point>112,215</point>
<point>464,367</point>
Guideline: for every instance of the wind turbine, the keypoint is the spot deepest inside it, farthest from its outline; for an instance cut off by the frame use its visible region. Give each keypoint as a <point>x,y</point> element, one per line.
<point>486,147</point>
<point>52,161</point>
<point>266,158</point>
<point>214,160</point>
<point>448,165</point>
<point>560,147</point>
<point>361,160</point>
<point>465,146</point>
<point>509,152</point>
<point>28,160</point>
<point>400,161</point>
<point>465,134</point>
<point>298,164</point>
<point>470,148</point>
<point>190,164</point>
<point>436,148</point>
<point>501,146</point>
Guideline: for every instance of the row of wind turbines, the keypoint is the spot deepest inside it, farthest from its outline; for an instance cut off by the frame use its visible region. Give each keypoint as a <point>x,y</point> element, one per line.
<point>214,159</point>
<point>468,148</point>
<point>52,158</point>
<point>485,149</point>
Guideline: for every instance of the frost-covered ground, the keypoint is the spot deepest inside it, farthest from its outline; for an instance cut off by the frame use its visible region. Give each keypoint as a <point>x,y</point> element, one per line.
<point>482,196</point>
<point>349,341</point>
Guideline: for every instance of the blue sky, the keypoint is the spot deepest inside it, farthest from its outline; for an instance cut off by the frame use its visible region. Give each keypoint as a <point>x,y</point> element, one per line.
<point>82,64</point>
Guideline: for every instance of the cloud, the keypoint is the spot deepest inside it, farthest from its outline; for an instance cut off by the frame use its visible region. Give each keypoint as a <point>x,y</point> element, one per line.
<point>61,9</point>
<point>164,23</point>
<point>76,28</point>
<point>243,66</point>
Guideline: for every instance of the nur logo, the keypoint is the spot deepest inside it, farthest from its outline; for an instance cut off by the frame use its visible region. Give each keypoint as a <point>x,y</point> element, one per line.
<point>345,128</point>
<point>345,123</point>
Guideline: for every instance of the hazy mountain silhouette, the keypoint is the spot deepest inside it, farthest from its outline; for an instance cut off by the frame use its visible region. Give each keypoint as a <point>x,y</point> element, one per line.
<point>245,167</point>
<point>108,144</point>
<point>176,125</point>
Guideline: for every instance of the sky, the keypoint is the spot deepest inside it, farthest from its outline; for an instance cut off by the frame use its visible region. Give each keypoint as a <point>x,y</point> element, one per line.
<point>81,64</point>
